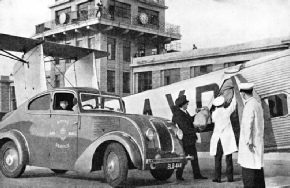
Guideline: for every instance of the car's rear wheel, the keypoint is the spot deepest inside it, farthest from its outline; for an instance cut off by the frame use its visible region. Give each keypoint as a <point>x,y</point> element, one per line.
<point>115,165</point>
<point>10,162</point>
<point>161,174</point>
<point>57,171</point>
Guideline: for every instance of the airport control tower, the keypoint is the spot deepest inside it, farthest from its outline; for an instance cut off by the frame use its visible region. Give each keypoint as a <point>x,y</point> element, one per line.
<point>124,28</point>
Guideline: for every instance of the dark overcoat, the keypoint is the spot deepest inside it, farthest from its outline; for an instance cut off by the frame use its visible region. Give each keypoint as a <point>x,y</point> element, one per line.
<point>185,123</point>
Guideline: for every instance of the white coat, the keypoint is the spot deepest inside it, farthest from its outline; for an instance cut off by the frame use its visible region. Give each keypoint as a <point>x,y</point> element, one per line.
<point>252,131</point>
<point>223,130</point>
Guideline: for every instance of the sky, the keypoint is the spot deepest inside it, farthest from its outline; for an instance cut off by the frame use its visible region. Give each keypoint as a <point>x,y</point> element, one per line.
<point>214,23</point>
<point>205,23</point>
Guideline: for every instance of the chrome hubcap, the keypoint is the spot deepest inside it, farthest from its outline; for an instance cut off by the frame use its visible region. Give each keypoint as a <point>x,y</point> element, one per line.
<point>11,160</point>
<point>113,165</point>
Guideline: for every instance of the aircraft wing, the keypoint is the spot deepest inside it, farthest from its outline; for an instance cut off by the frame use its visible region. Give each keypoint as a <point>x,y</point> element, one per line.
<point>22,44</point>
<point>29,71</point>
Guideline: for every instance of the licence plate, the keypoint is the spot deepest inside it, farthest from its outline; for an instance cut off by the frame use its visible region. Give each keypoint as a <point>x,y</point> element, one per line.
<point>174,165</point>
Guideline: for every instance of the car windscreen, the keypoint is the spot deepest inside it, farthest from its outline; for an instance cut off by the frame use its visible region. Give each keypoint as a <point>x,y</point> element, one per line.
<point>100,102</point>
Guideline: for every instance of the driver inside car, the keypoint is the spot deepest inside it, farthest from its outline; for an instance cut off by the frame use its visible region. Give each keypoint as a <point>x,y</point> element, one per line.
<point>62,105</point>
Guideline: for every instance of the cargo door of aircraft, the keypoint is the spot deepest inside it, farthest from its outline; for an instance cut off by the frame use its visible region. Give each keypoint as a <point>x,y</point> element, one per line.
<point>63,133</point>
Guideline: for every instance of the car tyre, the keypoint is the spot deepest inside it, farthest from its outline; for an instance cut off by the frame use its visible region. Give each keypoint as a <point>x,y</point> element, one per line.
<point>161,174</point>
<point>57,171</point>
<point>10,162</point>
<point>115,165</point>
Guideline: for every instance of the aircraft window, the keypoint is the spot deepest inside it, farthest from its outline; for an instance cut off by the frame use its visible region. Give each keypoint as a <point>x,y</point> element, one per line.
<point>278,105</point>
<point>63,101</point>
<point>40,103</point>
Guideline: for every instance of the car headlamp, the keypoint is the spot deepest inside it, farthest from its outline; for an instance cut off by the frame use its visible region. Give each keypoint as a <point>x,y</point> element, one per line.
<point>179,134</point>
<point>150,134</point>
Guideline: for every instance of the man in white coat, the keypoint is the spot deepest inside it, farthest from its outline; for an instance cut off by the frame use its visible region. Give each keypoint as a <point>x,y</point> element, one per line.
<point>251,144</point>
<point>223,139</point>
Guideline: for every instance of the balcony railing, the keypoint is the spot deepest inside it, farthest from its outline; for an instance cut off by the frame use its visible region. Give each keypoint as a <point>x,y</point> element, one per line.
<point>76,17</point>
<point>162,2</point>
<point>173,47</point>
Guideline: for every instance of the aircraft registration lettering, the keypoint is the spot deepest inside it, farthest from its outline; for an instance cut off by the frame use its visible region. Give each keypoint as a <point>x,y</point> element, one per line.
<point>199,90</point>
<point>202,89</point>
<point>170,100</point>
<point>147,107</point>
<point>200,97</point>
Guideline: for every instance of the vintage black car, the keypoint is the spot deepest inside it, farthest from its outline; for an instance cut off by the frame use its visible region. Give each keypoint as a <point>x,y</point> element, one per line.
<point>90,131</point>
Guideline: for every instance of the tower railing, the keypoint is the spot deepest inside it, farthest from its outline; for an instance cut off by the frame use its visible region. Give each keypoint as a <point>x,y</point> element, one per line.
<point>75,17</point>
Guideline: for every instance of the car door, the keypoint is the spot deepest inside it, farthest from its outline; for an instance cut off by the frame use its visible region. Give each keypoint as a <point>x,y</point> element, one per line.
<point>63,132</point>
<point>38,111</point>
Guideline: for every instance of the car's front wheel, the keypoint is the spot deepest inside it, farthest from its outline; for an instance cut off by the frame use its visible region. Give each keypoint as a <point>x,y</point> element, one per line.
<point>10,162</point>
<point>115,165</point>
<point>161,174</point>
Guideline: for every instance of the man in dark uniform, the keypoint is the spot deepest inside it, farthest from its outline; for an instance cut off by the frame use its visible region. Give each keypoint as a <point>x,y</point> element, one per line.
<point>185,122</point>
<point>100,9</point>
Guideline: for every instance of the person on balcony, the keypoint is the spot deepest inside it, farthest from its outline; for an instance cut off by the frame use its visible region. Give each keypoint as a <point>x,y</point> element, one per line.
<point>100,9</point>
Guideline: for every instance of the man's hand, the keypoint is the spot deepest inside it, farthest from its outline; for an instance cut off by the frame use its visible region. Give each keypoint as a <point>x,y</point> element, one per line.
<point>251,147</point>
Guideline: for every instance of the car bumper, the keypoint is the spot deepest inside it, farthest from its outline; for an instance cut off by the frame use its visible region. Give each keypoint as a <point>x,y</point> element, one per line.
<point>169,160</point>
<point>167,163</point>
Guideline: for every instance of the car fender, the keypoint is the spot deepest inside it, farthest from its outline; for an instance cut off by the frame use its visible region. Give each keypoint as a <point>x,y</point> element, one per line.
<point>21,143</point>
<point>84,162</point>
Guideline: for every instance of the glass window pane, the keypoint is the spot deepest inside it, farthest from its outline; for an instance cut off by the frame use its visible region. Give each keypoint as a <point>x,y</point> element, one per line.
<point>278,105</point>
<point>126,82</point>
<point>111,48</point>
<point>126,51</point>
<point>67,97</point>
<point>98,102</point>
<point>144,81</point>
<point>110,81</point>
<point>79,43</point>
<point>196,71</point>
<point>40,103</point>
<point>57,81</point>
<point>201,70</point>
<point>121,10</point>
<point>171,76</point>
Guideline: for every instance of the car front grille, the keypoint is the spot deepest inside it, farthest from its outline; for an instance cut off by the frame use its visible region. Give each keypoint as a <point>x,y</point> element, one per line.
<point>163,134</point>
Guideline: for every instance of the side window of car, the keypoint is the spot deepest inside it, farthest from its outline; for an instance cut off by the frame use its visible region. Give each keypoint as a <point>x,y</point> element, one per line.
<point>40,103</point>
<point>63,101</point>
<point>278,105</point>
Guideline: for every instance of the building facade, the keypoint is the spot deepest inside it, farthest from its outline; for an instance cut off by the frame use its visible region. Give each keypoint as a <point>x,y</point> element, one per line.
<point>124,28</point>
<point>160,70</point>
<point>7,95</point>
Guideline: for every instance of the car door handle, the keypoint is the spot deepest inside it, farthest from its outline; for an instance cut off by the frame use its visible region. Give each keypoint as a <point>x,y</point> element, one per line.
<point>75,123</point>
